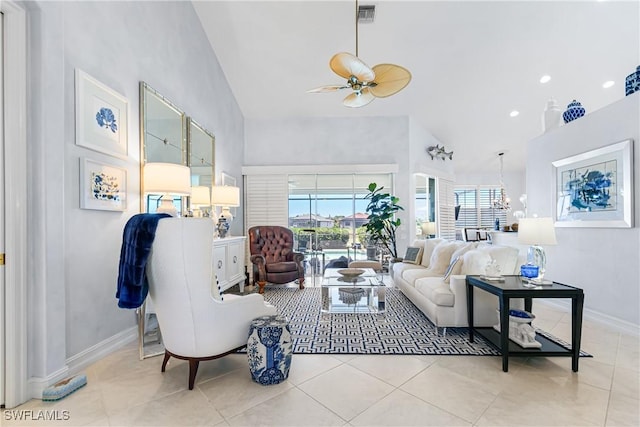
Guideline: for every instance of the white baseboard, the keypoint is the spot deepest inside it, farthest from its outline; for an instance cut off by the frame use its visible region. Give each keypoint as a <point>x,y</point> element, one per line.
<point>36,385</point>
<point>76,363</point>
<point>96,352</point>
<point>598,317</point>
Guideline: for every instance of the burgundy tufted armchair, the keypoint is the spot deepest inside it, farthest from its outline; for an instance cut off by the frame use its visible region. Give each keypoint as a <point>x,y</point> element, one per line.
<point>273,258</point>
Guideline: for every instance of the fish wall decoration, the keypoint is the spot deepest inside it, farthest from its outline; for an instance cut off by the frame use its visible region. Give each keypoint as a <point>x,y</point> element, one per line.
<point>437,152</point>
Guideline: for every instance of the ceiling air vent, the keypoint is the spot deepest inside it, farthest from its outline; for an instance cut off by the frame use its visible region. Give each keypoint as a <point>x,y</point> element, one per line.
<point>366,13</point>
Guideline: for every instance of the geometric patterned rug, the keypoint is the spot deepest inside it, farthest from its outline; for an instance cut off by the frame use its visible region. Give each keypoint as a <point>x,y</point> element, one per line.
<point>402,329</point>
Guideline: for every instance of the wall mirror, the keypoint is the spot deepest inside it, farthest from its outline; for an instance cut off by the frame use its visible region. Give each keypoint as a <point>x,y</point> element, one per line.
<point>201,160</point>
<point>163,137</point>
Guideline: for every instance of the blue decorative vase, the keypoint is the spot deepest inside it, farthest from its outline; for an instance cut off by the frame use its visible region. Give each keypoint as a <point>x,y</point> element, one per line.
<point>632,82</point>
<point>529,271</point>
<point>269,349</point>
<point>574,110</point>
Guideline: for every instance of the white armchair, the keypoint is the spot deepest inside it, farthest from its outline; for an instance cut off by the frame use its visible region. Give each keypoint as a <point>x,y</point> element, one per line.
<point>195,325</point>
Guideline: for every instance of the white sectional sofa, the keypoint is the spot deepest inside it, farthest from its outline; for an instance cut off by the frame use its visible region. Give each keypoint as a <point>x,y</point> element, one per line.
<point>436,282</point>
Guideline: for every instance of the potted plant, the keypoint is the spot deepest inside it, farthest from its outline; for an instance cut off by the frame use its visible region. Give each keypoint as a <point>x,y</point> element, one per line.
<point>382,224</point>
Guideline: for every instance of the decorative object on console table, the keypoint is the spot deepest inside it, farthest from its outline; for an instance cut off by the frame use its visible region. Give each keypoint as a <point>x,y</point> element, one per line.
<point>520,330</point>
<point>226,197</point>
<point>552,117</point>
<point>168,179</point>
<point>632,82</point>
<point>536,232</point>
<point>574,110</point>
<point>101,117</point>
<point>595,189</point>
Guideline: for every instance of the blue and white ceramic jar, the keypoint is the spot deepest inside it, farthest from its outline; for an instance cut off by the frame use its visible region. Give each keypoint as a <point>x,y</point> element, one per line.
<point>269,349</point>
<point>632,82</point>
<point>574,111</point>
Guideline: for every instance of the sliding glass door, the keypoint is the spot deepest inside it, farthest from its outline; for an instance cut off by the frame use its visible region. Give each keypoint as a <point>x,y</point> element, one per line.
<point>327,212</point>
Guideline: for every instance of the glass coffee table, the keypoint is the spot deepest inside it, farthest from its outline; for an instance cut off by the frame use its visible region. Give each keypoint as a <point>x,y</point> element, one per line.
<point>362,294</point>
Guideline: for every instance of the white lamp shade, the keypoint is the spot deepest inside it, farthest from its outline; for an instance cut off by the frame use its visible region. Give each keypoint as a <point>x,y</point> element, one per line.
<point>225,195</point>
<point>167,178</point>
<point>428,228</point>
<point>536,231</point>
<point>200,195</point>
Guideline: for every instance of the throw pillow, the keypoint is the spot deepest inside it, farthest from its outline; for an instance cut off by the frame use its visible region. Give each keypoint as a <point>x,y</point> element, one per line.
<point>441,257</point>
<point>429,246</point>
<point>474,262</point>
<point>413,255</point>
<point>456,264</point>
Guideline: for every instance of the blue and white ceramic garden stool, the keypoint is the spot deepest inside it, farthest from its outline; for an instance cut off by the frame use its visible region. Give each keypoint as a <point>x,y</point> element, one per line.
<point>269,349</point>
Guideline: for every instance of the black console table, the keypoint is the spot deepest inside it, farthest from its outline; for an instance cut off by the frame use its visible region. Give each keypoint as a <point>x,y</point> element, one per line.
<point>516,287</point>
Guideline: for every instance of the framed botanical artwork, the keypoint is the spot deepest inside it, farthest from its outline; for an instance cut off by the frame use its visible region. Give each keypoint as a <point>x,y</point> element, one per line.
<point>102,186</point>
<point>595,189</point>
<point>101,117</point>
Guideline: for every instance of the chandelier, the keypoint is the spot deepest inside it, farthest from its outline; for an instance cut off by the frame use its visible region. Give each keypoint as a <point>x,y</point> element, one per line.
<point>502,202</point>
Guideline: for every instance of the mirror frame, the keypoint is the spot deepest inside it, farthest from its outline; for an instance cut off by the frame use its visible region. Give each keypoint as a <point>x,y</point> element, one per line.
<point>191,126</point>
<point>145,91</point>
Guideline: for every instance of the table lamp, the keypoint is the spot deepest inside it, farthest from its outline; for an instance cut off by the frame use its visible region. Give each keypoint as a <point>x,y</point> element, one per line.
<point>537,232</point>
<point>428,229</point>
<point>200,197</point>
<point>168,179</point>
<point>225,196</point>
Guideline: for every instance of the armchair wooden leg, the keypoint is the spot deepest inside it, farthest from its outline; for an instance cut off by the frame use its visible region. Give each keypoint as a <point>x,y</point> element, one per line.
<point>193,370</point>
<point>167,355</point>
<point>301,281</point>
<point>261,286</point>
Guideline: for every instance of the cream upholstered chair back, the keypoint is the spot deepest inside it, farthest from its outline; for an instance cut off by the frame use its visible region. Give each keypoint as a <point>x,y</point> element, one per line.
<point>194,324</point>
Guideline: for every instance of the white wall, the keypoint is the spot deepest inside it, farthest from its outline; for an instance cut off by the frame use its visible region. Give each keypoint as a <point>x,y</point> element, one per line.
<point>74,253</point>
<point>357,140</point>
<point>602,261</point>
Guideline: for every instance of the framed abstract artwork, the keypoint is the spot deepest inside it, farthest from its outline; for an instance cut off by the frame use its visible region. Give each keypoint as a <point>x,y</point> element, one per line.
<point>102,186</point>
<point>101,117</point>
<point>595,189</point>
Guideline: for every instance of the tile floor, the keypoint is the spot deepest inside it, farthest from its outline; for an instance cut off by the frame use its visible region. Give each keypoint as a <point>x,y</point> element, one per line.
<point>349,390</point>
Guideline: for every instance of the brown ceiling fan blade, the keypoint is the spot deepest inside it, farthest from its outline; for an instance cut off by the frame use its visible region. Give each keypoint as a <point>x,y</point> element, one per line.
<point>390,79</point>
<point>328,88</point>
<point>359,99</point>
<point>346,65</point>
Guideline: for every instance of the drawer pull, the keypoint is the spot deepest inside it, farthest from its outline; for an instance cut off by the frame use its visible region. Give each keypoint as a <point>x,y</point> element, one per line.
<point>235,259</point>
<point>220,264</point>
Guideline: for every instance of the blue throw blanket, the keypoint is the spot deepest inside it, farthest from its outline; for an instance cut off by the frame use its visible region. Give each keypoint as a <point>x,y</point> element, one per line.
<point>137,239</point>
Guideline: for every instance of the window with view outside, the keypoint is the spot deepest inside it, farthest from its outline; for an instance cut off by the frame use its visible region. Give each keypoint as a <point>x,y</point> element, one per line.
<point>327,212</point>
<point>476,207</point>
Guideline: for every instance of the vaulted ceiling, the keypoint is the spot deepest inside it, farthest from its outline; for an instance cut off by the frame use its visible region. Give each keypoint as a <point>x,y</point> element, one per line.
<point>472,63</point>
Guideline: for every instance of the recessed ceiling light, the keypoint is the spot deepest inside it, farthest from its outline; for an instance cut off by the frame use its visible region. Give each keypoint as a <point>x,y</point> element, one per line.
<point>545,78</point>
<point>514,113</point>
<point>608,84</point>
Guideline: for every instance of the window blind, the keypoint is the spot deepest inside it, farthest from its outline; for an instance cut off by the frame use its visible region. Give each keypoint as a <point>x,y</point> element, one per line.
<point>446,209</point>
<point>266,200</point>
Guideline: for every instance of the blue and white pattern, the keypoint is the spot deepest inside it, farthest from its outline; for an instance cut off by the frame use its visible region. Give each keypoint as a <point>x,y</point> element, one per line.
<point>269,349</point>
<point>632,82</point>
<point>105,187</point>
<point>574,111</point>
<point>402,329</point>
<point>106,119</point>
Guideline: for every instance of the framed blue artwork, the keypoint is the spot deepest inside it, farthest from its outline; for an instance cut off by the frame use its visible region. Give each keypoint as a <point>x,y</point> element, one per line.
<point>595,189</point>
<point>102,186</point>
<point>101,117</point>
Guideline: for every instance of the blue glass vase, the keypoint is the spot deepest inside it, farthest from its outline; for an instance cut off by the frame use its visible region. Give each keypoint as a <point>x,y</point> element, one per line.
<point>574,111</point>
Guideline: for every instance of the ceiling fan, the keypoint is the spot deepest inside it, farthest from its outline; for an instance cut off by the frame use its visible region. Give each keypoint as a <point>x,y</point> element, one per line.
<point>366,83</point>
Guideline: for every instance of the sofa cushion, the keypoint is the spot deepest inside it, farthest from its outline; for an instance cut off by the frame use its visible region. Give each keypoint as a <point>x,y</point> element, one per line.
<point>428,247</point>
<point>435,290</point>
<point>475,261</point>
<point>441,257</point>
<point>400,267</point>
<point>410,276</point>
